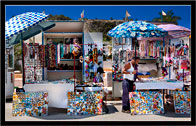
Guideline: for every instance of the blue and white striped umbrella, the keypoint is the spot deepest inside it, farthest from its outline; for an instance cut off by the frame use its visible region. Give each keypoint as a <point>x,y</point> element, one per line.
<point>135,29</point>
<point>22,22</point>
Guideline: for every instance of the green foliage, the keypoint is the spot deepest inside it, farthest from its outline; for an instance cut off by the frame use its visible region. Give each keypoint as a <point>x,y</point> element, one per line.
<point>18,51</point>
<point>10,60</point>
<point>58,17</point>
<point>102,26</point>
<point>170,17</point>
<point>17,55</point>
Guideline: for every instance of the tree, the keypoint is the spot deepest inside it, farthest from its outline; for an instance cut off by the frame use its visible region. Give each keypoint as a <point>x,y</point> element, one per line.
<point>170,17</point>
<point>17,56</point>
<point>58,17</point>
<point>111,18</point>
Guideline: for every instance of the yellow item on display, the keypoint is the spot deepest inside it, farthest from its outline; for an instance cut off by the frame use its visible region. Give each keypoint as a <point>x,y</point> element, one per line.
<point>95,55</point>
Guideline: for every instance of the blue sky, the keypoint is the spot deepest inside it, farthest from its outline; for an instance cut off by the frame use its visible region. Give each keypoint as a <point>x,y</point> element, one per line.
<point>106,12</point>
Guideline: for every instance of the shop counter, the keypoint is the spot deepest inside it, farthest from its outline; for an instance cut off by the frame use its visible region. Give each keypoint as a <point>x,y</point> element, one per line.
<point>159,85</point>
<point>92,89</point>
<point>57,93</point>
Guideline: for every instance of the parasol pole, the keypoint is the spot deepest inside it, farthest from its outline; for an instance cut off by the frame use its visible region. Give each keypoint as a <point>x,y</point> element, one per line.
<point>182,75</point>
<point>169,59</point>
<point>112,65</point>
<point>162,66</point>
<point>135,49</point>
<point>21,40</point>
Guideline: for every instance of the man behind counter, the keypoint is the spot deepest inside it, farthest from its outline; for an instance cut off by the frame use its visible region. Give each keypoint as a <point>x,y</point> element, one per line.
<point>129,76</point>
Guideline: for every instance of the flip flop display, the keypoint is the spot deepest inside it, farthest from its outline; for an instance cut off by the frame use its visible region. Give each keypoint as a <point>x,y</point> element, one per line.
<point>182,102</point>
<point>147,102</point>
<point>30,104</point>
<point>84,103</point>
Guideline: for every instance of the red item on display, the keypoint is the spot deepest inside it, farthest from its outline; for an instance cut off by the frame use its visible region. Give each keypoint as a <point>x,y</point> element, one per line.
<point>184,64</point>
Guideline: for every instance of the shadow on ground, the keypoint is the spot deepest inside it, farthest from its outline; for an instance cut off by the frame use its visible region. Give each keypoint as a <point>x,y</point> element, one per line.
<point>60,114</point>
<point>170,112</point>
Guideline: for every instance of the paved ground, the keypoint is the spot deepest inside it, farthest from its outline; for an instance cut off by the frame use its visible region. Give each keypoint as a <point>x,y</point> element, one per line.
<point>115,114</point>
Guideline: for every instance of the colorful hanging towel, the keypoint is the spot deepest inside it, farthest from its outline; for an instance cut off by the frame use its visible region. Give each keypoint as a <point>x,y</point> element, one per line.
<point>61,50</point>
<point>151,49</point>
<point>158,51</point>
<point>58,53</point>
<point>142,48</point>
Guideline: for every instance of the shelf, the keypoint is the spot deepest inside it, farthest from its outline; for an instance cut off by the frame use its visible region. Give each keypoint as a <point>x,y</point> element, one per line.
<point>63,32</point>
<point>69,59</point>
<point>150,59</point>
<point>64,71</point>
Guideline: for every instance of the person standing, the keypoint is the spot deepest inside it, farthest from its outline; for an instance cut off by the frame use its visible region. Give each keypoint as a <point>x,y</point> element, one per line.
<point>129,76</point>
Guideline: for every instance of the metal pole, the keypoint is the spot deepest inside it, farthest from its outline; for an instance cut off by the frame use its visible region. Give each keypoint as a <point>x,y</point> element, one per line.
<point>135,46</point>
<point>112,68</point>
<point>23,72</point>
<point>162,65</point>
<point>169,59</point>
<point>183,80</point>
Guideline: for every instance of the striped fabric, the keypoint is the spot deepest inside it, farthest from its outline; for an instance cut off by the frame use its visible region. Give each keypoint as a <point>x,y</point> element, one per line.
<point>175,31</point>
<point>22,22</point>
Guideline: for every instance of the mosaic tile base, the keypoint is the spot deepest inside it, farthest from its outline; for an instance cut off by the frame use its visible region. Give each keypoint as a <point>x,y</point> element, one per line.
<point>182,102</point>
<point>84,103</point>
<point>147,102</point>
<point>30,104</point>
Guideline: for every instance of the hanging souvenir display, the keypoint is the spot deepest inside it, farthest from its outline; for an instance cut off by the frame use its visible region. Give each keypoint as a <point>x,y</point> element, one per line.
<point>164,71</point>
<point>93,55</point>
<point>182,102</point>
<point>51,56</point>
<point>180,76</point>
<point>142,48</point>
<point>158,49</point>
<point>81,59</point>
<point>148,102</point>
<point>184,64</point>
<point>168,61</point>
<point>176,64</point>
<point>76,47</point>
<point>30,104</point>
<point>116,73</point>
<point>84,103</point>
<point>33,62</point>
<point>151,49</point>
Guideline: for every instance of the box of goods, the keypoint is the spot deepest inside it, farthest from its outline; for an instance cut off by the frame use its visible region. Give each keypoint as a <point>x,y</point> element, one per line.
<point>146,102</point>
<point>84,103</point>
<point>30,104</point>
<point>182,102</point>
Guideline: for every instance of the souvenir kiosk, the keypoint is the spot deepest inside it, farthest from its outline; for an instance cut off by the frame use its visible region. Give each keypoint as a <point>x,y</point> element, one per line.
<point>63,60</point>
<point>160,50</point>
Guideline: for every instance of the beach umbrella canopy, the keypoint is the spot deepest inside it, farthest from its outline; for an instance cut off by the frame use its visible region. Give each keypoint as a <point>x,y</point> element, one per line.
<point>22,22</point>
<point>175,31</point>
<point>135,29</point>
<point>24,26</point>
<point>30,32</point>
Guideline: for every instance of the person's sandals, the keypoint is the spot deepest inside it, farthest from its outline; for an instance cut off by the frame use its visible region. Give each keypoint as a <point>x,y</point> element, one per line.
<point>126,111</point>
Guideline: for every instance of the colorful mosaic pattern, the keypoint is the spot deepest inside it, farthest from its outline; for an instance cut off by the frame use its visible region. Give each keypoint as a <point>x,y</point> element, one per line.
<point>182,102</point>
<point>30,104</point>
<point>84,103</point>
<point>147,102</point>
<point>133,29</point>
